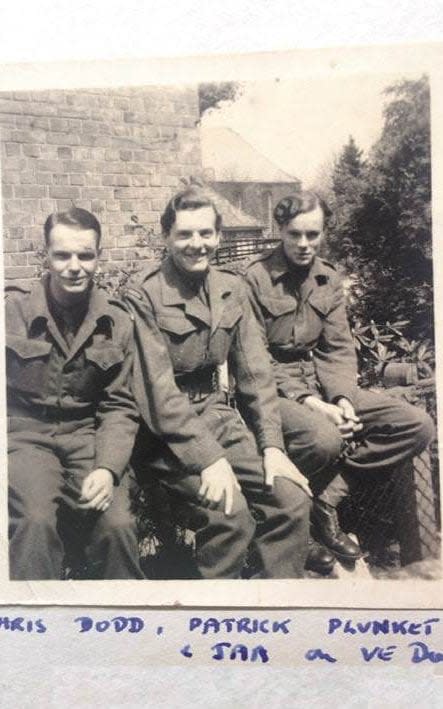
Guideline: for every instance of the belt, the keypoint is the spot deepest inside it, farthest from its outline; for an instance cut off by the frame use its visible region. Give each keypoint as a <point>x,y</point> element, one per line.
<point>49,414</point>
<point>289,355</point>
<point>198,384</point>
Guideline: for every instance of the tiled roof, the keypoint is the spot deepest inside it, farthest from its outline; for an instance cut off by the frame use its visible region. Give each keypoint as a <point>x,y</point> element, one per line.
<point>230,158</point>
<point>232,216</point>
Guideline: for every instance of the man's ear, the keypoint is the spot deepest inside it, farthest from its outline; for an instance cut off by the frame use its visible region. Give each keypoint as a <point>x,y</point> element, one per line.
<point>44,254</point>
<point>166,236</point>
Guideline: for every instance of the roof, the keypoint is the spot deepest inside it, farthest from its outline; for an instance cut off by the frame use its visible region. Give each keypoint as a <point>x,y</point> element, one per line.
<point>232,216</point>
<point>230,158</point>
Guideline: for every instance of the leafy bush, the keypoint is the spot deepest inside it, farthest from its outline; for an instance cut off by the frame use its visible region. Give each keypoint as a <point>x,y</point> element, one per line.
<point>381,230</point>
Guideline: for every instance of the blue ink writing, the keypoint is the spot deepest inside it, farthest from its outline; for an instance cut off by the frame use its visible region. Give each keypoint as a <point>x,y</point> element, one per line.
<point>117,624</point>
<point>384,627</point>
<point>318,654</point>
<point>240,625</point>
<point>239,651</point>
<point>186,651</point>
<point>380,653</point>
<point>422,653</point>
<point>22,625</point>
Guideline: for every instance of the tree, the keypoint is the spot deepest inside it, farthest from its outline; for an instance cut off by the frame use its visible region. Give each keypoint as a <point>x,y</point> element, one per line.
<point>211,94</point>
<point>349,164</point>
<point>382,230</point>
<point>348,183</point>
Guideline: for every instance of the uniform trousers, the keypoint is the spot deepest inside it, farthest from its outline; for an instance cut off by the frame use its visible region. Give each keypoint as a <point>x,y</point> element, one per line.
<point>393,431</point>
<point>47,463</point>
<point>274,521</point>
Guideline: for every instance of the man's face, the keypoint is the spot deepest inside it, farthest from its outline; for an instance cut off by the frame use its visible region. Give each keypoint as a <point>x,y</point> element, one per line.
<point>193,239</point>
<point>302,236</point>
<point>72,261</point>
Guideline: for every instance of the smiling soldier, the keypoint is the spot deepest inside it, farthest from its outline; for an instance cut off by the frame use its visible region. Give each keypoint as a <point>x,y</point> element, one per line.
<point>71,417</point>
<point>299,303</point>
<point>191,317</point>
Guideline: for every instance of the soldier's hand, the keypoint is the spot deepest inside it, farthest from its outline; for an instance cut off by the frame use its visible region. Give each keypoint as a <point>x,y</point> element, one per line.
<point>349,414</point>
<point>97,490</point>
<point>277,464</point>
<point>333,413</point>
<point>217,481</point>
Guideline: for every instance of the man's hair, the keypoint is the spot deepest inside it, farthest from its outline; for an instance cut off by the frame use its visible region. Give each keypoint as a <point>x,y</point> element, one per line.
<point>299,203</point>
<point>75,217</point>
<point>193,197</point>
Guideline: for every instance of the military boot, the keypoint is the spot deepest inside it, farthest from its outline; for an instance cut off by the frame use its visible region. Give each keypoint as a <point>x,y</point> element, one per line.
<point>324,519</point>
<point>319,559</point>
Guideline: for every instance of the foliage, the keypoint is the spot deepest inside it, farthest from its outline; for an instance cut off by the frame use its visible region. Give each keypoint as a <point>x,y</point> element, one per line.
<point>381,232</point>
<point>210,95</point>
<point>379,345</point>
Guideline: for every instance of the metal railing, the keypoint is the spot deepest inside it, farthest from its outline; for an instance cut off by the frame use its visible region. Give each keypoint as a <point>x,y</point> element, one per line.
<point>238,249</point>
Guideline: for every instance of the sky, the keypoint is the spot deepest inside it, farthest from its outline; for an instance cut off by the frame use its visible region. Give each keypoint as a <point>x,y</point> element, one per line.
<point>301,124</point>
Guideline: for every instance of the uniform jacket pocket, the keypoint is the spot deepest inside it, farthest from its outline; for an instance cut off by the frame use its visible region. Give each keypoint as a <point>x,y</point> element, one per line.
<point>27,363</point>
<point>230,317</point>
<point>278,306</point>
<point>321,302</point>
<point>104,357</point>
<point>27,349</point>
<point>176,324</point>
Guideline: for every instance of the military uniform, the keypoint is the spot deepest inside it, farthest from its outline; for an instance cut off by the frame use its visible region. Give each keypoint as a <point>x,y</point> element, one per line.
<point>70,411</point>
<point>303,321</point>
<point>183,333</point>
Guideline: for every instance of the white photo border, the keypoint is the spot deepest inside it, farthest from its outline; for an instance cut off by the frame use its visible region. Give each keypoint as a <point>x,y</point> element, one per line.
<point>358,593</point>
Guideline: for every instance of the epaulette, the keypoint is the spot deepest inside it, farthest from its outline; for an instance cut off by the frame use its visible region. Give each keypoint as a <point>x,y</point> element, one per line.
<point>118,302</point>
<point>236,270</point>
<point>263,256</point>
<point>226,268</point>
<point>328,263</point>
<point>13,288</point>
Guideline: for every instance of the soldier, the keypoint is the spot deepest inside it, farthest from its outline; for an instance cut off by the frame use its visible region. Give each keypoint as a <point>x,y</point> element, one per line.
<point>190,318</point>
<point>299,304</point>
<point>72,420</point>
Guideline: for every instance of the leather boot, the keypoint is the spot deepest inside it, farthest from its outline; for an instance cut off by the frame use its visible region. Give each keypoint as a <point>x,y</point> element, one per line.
<point>327,530</point>
<point>319,559</point>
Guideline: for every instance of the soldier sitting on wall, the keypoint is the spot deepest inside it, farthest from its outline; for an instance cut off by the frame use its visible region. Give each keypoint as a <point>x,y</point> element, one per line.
<point>190,318</point>
<point>71,417</point>
<point>299,304</point>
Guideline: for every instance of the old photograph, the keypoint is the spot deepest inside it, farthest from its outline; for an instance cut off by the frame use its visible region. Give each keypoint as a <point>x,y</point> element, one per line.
<point>219,332</point>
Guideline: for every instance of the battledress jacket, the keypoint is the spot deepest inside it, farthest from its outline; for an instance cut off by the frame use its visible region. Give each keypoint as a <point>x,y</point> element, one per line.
<point>88,381</point>
<point>303,323</point>
<point>176,334</point>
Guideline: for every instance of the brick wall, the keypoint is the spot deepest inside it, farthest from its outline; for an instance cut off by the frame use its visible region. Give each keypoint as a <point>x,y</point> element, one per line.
<point>117,153</point>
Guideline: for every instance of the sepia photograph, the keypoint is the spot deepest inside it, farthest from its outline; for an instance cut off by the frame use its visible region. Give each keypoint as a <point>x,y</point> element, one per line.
<point>219,333</point>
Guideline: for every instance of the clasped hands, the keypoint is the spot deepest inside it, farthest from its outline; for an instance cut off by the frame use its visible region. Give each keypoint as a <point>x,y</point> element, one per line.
<point>342,414</point>
<point>219,481</point>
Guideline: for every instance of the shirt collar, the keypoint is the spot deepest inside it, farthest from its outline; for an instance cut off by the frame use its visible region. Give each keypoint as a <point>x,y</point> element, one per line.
<point>280,266</point>
<point>98,306</point>
<point>176,288</point>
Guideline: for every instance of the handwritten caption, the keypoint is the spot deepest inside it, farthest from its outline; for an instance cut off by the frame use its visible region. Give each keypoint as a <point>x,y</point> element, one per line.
<point>246,639</point>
